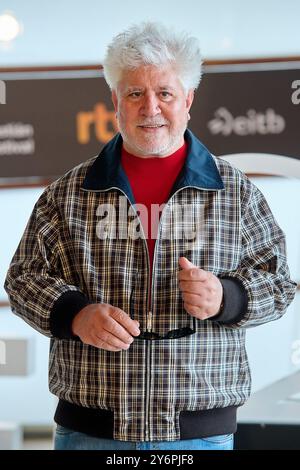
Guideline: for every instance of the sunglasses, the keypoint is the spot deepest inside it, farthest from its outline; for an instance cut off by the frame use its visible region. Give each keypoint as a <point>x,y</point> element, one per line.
<point>172,334</point>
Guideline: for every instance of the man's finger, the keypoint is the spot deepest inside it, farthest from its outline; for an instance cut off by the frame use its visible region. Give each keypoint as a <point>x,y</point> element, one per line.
<point>190,272</point>
<point>124,319</point>
<point>194,274</point>
<point>192,287</point>
<point>184,263</point>
<point>195,300</point>
<point>98,343</point>
<point>113,341</point>
<point>117,330</point>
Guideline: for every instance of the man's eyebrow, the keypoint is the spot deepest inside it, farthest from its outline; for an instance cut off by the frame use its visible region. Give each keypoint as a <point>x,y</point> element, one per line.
<point>166,87</point>
<point>133,88</point>
<point>140,88</point>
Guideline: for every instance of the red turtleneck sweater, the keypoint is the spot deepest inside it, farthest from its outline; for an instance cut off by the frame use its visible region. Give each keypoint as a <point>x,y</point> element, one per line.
<point>151,180</point>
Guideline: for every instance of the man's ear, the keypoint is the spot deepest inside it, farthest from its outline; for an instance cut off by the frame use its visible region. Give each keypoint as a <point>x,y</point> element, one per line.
<point>189,99</point>
<point>114,99</point>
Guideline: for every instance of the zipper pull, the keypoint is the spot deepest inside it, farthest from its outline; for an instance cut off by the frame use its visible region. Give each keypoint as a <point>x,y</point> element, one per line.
<point>149,321</point>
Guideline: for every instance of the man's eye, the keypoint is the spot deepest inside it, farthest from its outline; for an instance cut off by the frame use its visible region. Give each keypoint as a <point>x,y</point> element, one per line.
<point>165,94</point>
<point>135,94</point>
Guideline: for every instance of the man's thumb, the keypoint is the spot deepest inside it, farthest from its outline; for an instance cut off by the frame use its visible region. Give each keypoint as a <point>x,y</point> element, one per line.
<point>184,263</point>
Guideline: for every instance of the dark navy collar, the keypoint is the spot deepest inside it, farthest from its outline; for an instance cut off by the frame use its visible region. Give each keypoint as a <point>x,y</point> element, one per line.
<point>199,170</point>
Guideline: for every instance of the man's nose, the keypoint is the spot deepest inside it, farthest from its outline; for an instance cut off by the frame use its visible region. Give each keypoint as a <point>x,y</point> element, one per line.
<point>150,106</point>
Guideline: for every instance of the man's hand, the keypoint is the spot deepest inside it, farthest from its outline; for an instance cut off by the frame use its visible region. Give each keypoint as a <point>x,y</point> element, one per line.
<point>105,326</point>
<point>202,291</point>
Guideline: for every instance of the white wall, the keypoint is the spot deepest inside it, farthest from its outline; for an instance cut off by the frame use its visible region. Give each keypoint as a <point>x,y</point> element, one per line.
<point>68,32</point>
<point>24,400</point>
<point>270,346</point>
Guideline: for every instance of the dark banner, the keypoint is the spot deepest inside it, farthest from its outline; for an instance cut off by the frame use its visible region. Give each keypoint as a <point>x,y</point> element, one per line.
<point>48,126</point>
<point>257,111</point>
<point>52,121</point>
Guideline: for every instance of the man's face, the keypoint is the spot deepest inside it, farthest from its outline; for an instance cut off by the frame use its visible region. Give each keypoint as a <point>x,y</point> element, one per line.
<point>152,110</point>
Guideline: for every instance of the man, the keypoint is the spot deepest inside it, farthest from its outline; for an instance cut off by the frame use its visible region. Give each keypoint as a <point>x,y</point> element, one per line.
<point>147,315</point>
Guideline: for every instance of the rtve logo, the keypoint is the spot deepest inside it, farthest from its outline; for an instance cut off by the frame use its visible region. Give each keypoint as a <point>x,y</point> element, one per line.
<point>104,123</point>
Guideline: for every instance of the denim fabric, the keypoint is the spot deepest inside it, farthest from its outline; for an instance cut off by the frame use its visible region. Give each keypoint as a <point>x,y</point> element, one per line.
<point>66,439</point>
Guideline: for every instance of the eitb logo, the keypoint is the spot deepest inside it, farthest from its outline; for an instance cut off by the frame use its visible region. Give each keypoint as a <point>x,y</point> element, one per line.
<point>2,92</point>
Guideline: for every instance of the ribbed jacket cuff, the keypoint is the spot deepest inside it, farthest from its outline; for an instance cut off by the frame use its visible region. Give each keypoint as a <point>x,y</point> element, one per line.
<point>63,312</point>
<point>235,301</point>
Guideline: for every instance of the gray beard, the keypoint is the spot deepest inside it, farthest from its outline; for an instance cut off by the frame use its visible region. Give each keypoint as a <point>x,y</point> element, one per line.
<point>156,150</point>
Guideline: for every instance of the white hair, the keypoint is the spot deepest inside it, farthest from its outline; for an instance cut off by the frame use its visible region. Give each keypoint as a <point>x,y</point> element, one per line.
<point>153,44</point>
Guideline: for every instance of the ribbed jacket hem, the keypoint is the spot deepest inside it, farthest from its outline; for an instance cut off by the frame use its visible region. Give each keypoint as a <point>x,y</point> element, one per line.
<point>100,423</point>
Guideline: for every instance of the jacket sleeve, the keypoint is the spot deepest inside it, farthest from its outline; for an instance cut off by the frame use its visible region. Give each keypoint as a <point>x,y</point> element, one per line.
<point>35,282</point>
<point>263,273</point>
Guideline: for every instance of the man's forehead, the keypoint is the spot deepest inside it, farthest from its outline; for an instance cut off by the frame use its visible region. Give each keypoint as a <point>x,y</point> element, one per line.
<point>161,77</point>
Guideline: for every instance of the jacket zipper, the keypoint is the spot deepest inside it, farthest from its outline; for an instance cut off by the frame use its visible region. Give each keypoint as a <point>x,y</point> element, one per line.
<point>148,347</point>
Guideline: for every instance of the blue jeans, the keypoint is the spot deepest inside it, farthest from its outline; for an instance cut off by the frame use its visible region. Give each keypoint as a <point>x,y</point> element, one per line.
<point>66,439</point>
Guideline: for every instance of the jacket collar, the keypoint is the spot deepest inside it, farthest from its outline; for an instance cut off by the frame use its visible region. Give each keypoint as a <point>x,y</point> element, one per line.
<point>199,170</point>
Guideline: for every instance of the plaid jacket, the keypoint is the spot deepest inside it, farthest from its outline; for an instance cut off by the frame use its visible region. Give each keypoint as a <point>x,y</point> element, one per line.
<point>62,263</point>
